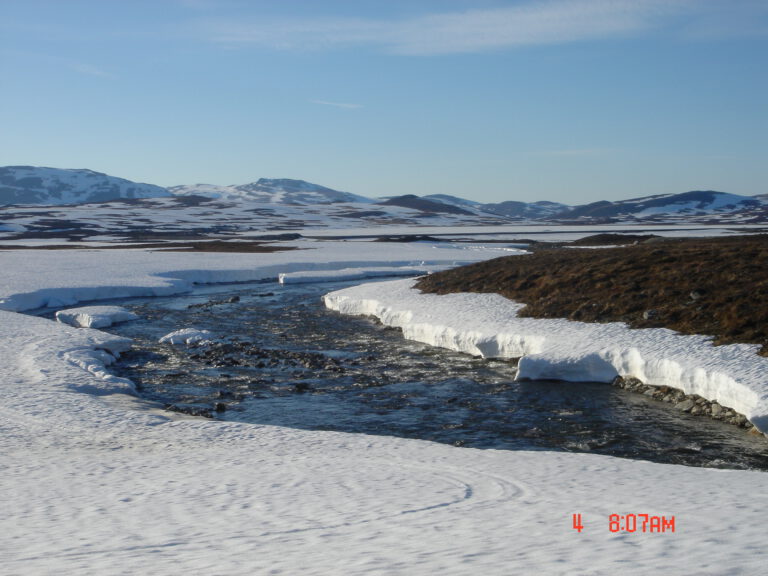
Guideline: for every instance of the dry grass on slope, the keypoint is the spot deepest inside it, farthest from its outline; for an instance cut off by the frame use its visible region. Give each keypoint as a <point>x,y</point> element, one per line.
<point>712,286</point>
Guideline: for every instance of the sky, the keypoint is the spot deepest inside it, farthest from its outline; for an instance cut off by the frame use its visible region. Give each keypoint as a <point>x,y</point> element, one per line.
<point>564,100</point>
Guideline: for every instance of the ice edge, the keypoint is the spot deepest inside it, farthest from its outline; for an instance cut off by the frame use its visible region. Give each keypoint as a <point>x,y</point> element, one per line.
<point>590,353</point>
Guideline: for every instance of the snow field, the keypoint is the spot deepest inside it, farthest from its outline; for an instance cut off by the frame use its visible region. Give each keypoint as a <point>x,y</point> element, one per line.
<point>105,483</point>
<point>61,278</point>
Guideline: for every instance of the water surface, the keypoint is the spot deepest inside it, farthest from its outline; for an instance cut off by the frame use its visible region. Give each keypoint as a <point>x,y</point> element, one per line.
<point>284,359</point>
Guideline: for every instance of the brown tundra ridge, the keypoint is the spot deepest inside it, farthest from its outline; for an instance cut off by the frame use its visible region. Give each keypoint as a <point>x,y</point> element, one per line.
<point>711,286</point>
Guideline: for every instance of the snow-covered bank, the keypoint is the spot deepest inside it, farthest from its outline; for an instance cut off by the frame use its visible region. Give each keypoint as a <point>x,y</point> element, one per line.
<point>351,274</point>
<point>37,279</point>
<point>488,325</point>
<point>95,316</point>
<point>101,483</point>
<point>188,336</point>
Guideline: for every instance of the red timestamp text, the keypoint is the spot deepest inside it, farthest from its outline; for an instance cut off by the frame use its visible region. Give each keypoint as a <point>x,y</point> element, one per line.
<point>633,523</point>
<point>640,523</point>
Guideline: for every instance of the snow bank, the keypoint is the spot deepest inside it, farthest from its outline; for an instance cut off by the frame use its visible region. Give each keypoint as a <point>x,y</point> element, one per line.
<point>488,325</point>
<point>188,337</point>
<point>305,276</point>
<point>95,316</point>
<point>45,345</point>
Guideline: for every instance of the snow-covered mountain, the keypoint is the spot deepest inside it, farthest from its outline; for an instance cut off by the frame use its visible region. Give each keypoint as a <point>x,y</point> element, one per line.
<point>55,186</point>
<point>425,205</point>
<point>695,205</point>
<point>298,201</point>
<point>454,200</point>
<point>273,191</point>
<point>542,210</point>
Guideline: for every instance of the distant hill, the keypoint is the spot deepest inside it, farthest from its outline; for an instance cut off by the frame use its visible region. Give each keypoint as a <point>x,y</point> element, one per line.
<point>541,210</point>
<point>424,205</point>
<point>696,205</point>
<point>454,200</point>
<point>273,191</point>
<point>52,186</point>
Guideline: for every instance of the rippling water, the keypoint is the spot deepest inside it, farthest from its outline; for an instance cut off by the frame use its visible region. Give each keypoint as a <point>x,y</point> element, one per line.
<point>286,360</point>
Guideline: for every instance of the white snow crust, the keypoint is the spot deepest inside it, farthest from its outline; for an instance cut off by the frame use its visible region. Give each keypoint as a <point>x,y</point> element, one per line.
<point>97,481</point>
<point>303,277</point>
<point>39,279</point>
<point>95,316</point>
<point>188,337</point>
<point>488,325</point>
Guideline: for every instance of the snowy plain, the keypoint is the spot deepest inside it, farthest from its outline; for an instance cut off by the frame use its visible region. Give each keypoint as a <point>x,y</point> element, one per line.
<point>97,481</point>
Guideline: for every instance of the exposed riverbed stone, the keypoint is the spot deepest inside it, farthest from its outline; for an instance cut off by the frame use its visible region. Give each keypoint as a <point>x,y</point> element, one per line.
<point>685,405</point>
<point>693,403</point>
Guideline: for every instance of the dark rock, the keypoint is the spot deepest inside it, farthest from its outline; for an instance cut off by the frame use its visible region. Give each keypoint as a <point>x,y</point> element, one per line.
<point>650,315</point>
<point>189,410</point>
<point>685,405</point>
<point>302,387</point>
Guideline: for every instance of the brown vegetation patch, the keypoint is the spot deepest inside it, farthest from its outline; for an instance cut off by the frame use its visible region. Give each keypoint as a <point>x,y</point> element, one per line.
<point>711,286</point>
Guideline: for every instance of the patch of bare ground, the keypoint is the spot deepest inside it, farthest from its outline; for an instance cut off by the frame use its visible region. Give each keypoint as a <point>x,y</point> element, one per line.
<point>711,286</point>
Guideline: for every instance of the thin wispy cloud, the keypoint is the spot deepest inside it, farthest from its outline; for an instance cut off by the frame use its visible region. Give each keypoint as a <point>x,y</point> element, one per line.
<point>528,23</point>
<point>287,34</point>
<point>578,152</point>
<point>557,22</point>
<point>721,20</point>
<point>337,104</point>
<point>200,4</point>
<point>90,70</point>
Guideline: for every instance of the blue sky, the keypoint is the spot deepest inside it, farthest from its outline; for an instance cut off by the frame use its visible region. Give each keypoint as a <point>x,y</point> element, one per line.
<point>565,100</point>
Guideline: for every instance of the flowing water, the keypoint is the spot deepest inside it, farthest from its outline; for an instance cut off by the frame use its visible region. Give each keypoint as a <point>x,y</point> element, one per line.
<point>282,358</point>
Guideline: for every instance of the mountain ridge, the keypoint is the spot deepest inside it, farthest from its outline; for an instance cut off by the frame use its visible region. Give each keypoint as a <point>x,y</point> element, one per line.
<point>273,191</point>
<point>54,186</point>
<point>58,186</point>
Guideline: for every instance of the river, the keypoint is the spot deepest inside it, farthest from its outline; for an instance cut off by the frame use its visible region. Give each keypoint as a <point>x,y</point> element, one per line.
<point>280,357</point>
